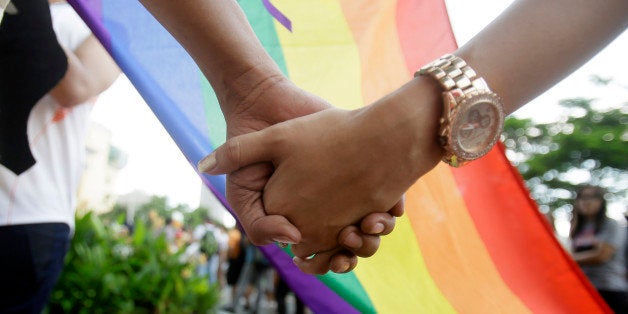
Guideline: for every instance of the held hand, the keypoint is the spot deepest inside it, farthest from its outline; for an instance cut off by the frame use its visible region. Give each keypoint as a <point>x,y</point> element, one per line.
<point>268,103</point>
<point>274,102</point>
<point>363,241</point>
<point>331,169</point>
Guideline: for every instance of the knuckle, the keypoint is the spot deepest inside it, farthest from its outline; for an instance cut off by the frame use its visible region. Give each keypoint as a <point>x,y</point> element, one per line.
<point>278,135</point>
<point>232,150</point>
<point>257,241</point>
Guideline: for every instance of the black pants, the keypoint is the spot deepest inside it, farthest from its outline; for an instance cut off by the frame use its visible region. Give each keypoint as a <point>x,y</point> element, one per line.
<point>31,260</point>
<point>616,300</point>
<point>281,291</point>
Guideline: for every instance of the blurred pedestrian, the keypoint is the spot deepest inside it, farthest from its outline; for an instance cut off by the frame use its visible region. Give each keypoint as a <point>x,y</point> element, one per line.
<point>598,246</point>
<point>44,115</point>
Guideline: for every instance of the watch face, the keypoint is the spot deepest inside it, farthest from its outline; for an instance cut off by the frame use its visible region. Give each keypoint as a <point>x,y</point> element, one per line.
<point>477,126</point>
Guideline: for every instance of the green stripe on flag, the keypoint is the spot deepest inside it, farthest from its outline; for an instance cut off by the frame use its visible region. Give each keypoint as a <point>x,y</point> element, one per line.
<point>347,285</point>
<point>264,27</point>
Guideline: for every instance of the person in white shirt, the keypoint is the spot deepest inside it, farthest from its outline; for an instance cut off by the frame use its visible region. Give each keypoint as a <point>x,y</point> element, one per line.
<point>37,206</point>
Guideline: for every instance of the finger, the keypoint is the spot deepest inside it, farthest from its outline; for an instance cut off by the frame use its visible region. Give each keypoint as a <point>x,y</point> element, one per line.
<point>238,152</point>
<point>270,229</point>
<point>378,224</point>
<point>244,192</point>
<point>356,242</point>
<point>398,209</point>
<point>343,262</point>
<point>337,260</point>
<point>363,241</point>
<point>302,250</point>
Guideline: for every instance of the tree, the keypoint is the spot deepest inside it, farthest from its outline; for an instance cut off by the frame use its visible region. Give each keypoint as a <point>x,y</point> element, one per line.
<point>197,216</point>
<point>117,214</point>
<point>584,145</point>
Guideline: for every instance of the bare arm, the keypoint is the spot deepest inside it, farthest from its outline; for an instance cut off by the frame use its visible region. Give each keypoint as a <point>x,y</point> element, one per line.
<point>221,41</point>
<point>90,72</point>
<point>600,254</point>
<point>534,44</point>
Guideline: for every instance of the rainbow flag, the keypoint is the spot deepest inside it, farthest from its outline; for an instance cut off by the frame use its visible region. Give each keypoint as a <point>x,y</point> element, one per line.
<point>471,241</point>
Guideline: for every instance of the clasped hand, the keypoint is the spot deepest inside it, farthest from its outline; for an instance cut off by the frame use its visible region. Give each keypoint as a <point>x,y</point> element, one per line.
<point>312,180</point>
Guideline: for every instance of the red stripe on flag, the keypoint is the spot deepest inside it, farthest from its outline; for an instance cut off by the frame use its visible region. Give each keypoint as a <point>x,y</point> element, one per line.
<point>520,241</point>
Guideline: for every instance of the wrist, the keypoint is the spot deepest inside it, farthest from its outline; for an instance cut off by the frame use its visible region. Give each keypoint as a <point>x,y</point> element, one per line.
<point>410,117</point>
<point>245,88</point>
<point>421,105</point>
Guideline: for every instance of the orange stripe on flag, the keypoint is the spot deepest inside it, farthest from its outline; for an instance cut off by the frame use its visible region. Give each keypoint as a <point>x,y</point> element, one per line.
<point>398,271</point>
<point>453,250</point>
<point>382,63</point>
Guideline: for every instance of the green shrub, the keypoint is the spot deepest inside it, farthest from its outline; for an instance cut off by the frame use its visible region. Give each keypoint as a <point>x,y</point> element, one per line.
<point>108,271</point>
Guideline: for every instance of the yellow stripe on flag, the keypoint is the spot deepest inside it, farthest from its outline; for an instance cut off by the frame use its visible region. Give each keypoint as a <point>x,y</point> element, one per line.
<point>397,279</point>
<point>320,33</point>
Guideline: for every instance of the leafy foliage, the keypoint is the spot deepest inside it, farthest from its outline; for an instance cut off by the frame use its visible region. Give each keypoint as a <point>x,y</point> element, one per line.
<point>197,216</point>
<point>109,271</point>
<point>585,145</point>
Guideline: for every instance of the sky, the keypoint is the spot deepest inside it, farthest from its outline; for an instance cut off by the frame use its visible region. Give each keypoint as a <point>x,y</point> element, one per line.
<point>157,167</point>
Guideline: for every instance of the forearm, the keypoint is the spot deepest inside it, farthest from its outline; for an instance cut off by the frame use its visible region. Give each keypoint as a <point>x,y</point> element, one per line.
<point>536,43</point>
<point>219,38</point>
<point>601,253</point>
<point>90,72</point>
<point>530,47</point>
<point>590,257</point>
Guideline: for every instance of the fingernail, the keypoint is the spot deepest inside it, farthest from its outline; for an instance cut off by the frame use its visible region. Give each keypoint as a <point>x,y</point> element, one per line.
<point>379,227</point>
<point>353,241</point>
<point>297,260</point>
<point>343,268</point>
<point>207,163</point>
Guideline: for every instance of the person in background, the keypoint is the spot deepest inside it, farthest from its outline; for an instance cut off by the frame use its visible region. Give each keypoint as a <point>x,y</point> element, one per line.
<point>213,245</point>
<point>236,257</point>
<point>598,244</point>
<point>626,252</point>
<point>37,205</point>
<point>281,295</point>
<point>173,231</point>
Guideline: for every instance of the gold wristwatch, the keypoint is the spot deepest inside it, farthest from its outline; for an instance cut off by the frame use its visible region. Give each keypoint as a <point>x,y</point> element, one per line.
<point>473,116</point>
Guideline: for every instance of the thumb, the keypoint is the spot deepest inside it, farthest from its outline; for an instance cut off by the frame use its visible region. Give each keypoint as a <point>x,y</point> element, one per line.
<point>238,152</point>
<point>264,230</point>
<point>244,192</point>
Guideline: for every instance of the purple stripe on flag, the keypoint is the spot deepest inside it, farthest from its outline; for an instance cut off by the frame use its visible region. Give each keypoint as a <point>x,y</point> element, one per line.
<point>280,17</point>
<point>318,297</point>
<point>91,13</point>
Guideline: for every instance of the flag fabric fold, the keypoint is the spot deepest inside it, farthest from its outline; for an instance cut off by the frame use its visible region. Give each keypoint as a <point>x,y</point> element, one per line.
<point>471,241</point>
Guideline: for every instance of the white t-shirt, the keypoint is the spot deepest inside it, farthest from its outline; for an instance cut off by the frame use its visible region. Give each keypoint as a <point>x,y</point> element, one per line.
<point>47,191</point>
<point>3,6</point>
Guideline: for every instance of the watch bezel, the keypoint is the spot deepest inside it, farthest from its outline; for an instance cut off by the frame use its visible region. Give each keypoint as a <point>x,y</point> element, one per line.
<point>463,105</point>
